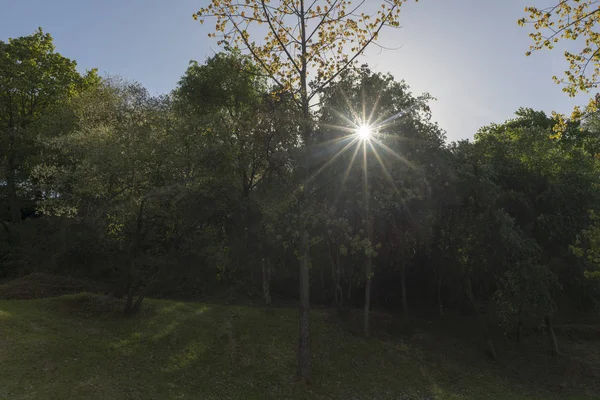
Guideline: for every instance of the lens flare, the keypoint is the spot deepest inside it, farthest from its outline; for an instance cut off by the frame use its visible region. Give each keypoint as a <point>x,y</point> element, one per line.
<point>364,132</point>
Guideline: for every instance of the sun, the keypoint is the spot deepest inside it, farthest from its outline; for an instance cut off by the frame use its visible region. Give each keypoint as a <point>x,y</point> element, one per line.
<point>364,132</point>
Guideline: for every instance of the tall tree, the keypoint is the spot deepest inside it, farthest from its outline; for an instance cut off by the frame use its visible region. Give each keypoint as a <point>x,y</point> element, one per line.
<point>33,79</point>
<point>302,36</point>
<point>229,99</point>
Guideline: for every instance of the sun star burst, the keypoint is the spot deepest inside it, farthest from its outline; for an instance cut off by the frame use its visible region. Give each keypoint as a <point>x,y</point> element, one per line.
<point>364,132</point>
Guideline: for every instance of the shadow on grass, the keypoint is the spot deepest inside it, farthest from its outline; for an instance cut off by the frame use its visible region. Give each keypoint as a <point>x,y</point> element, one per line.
<point>177,350</point>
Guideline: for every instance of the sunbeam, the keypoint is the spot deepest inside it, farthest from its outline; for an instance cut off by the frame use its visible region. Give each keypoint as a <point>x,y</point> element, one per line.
<point>347,172</point>
<point>383,167</point>
<point>332,159</point>
<point>393,153</point>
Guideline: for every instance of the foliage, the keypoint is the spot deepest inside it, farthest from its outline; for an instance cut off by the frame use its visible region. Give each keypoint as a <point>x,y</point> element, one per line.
<point>570,20</point>
<point>35,80</point>
<point>587,247</point>
<point>300,37</point>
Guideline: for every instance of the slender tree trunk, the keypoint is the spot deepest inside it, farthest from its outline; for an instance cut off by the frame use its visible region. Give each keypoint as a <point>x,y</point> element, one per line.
<point>403,283</point>
<point>338,281</point>
<point>252,277</point>
<point>304,355</point>
<point>132,307</point>
<point>323,288</point>
<point>350,290</point>
<point>520,324</point>
<point>439,292</point>
<point>336,276</point>
<point>13,200</point>
<point>491,350</point>
<point>266,282</point>
<point>367,295</point>
<point>334,281</point>
<point>135,251</point>
<point>138,304</point>
<point>340,297</point>
<point>9,238</point>
<point>554,350</point>
<point>129,290</point>
<point>11,178</point>
<point>127,311</point>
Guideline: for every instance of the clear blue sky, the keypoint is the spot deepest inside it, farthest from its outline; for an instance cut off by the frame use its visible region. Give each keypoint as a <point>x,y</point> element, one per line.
<point>469,54</point>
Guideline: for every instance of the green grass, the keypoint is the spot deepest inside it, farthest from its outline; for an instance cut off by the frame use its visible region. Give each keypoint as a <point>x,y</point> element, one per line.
<point>74,347</point>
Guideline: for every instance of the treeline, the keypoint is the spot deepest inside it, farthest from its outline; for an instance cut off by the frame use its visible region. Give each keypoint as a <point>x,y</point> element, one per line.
<point>196,193</point>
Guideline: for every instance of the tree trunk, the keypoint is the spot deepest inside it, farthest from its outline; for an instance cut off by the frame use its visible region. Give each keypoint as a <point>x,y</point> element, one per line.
<point>13,200</point>
<point>333,272</point>
<point>11,179</point>
<point>554,342</point>
<point>439,292</point>
<point>138,304</point>
<point>520,324</point>
<point>350,290</point>
<point>339,297</point>
<point>135,251</point>
<point>338,283</point>
<point>266,282</point>
<point>252,277</point>
<point>403,283</point>
<point>334,260</point>
<point>367,296</point>
<point>132,308</point>
<point>491,351</point>
<point>304,356</point>
<point>9,238</point>
<point>127,311</point>
<point>323,288</point>
<point>129,289</point>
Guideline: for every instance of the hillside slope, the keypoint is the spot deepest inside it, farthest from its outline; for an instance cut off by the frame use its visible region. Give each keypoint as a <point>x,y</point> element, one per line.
<point>74,347</point>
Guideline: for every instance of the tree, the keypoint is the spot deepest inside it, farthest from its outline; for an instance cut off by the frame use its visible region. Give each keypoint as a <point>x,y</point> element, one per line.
<point>34,79</point>
<point>117,171</point>
<point>570,20</point>
<point>246,128</point>
<point>545,185</point>
<point>587,247</point>
<point>301,37</point>
<point>379,183</point>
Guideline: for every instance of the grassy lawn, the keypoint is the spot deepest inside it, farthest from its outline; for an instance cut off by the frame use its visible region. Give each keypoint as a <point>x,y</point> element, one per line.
<point>71,347</point>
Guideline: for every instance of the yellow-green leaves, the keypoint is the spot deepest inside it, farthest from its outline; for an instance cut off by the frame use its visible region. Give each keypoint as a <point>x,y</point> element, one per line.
<point>301,37</point>
<point>571,20</point>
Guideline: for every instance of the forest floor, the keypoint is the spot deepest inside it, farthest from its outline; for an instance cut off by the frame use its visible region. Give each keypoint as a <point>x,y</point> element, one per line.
<point>79,347</point>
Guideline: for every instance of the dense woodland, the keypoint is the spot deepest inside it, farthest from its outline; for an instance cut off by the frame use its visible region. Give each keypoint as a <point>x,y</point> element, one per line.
<point>215,189</point>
